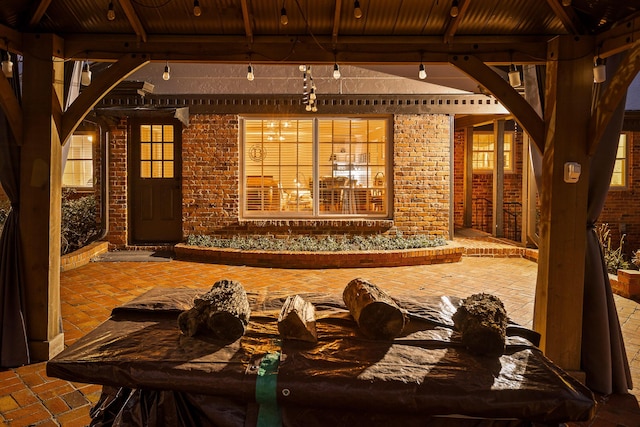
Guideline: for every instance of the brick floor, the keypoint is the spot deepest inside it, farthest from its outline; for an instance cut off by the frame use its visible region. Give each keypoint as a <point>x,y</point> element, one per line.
<point>29,398</point>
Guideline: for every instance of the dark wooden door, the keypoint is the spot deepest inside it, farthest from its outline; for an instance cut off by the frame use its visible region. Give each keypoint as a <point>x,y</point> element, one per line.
<point>155,204</point>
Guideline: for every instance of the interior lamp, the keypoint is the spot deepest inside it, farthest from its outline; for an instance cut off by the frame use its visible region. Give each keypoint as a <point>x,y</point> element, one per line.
<point>284,19</point>
<point>599,71</point>
<point>422,73</point>
<point>85,78</point>
<point>336,71</point>
<point>357,12</point>
<point>514,76</point>
<point>250,75</point>
<point>111,14</point>
<point>7,66</point>
<point>197,10</point>
<point>167,72</point>
<point>455,9</point>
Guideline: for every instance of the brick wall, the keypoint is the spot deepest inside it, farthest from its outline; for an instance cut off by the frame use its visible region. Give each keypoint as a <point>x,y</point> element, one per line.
<point>211,183</point>
<point>483,188</point>
<point>622,207</point>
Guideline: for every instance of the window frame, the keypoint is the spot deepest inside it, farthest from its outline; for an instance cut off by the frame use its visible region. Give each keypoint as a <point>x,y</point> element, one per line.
<point>315,213</point>
<point>511,152</point>
<point>69,160</point>
<point>625,172</point>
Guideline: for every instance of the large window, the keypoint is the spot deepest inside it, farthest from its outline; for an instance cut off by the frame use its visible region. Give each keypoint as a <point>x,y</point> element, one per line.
<point>619,176</point>
<point>301,167</point>
<point>483,148</point>
<point>78,170</point>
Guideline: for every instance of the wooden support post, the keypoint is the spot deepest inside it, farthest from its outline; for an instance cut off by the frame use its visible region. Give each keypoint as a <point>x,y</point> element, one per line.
<point>468,178</point>
<point>560,284</point>
<point>498,179</point>
<point>40,193</point>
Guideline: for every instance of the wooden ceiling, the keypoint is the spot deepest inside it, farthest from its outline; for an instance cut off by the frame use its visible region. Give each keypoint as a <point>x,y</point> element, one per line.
<point>320,31</point>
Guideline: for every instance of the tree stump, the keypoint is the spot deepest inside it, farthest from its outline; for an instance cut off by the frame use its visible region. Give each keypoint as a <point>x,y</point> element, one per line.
<point>377,314</point>
<point>297,320</point>
<point>222,312</point>
<point>482,321</point>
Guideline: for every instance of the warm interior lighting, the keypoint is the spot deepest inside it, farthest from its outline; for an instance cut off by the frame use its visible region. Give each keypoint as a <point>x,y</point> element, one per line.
<point>167,72</point>
<point>336,71</point>
<point>197,11</point>
<point>7,66</point>
<point>357,12</point>
<point>111,14</point>
<point>566,3</point>
<point>85,78</point>
<point>422,73</point>
<point>514,76</point>
<point>599,71</point>
<point>284,19</point>
<point>250,75</point>
<point>455,10</point>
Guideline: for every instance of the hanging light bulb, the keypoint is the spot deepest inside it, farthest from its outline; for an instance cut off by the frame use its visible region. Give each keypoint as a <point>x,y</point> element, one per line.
<point>422,73</point>
<point>85,77</point>
<point>566,3</point>
<point>197,11</point>
<point>7,66</point>
<point>357,12</point>
<point>111,14</point>
<point>599,71</point>
<point>514,76</point>
<point>455,10</point>
<point>336,71</point>
<point>284,19</point>
<point>250,75</point>
<point>167,72</point>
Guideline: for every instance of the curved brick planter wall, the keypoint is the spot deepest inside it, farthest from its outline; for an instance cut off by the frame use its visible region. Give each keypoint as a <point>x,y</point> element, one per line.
<point>442,254</point>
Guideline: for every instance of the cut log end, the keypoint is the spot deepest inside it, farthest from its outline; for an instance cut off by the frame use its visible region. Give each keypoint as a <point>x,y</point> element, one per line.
<point>482,321</point>
<point>297,320</point>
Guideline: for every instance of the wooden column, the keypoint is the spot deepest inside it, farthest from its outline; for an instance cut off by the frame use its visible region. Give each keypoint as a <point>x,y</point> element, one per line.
<point>40,192</point>
<point>498,179</point>
<point>560,284</point>
<point>468,178</point>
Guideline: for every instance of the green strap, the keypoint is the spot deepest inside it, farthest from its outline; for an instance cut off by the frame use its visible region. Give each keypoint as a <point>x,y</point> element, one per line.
<point>266,391</point>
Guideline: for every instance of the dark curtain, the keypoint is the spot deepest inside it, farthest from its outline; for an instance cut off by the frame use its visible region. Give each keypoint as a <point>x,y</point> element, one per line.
<point>14,350</point>
<point>604,359</point>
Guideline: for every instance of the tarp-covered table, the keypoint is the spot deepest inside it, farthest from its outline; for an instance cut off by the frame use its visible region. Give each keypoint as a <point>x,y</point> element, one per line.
<point>153,375</point>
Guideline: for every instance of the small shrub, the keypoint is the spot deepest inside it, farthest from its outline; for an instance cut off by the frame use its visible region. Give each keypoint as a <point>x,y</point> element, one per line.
<point>79,225</point>
<point>317,244</point>
<point>636,259</point>
<point>613,258</point>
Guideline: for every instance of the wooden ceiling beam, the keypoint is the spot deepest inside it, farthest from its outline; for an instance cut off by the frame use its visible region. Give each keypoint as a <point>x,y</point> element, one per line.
<point>10,39</point>
<point>619,38</point>
<point>248,30</point>
<point>452,27</point>
<point>38,13</point>
<point>133,19</point>
<point>336,22</point>
<point>568,17</point>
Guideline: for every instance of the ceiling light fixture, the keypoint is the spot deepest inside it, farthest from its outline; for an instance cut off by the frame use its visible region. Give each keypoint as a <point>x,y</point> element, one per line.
<point>197,11</point>
<point>7,66</point>
<point>357,12</point>
<point>85,77</point>
<point>284,19</point>
<point>336,71</point>
<point>250,75</point>
<point>599,70</point>
<point>455,9</point>
<point>111,14</point>
<point>566,3</point>
<point>422,73</point>
<point>167,72</point>
<point>514,76</point>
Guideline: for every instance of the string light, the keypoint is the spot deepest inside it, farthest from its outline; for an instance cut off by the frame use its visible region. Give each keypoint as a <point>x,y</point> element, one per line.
<point>111,14</point>
<point>197,11</point>
<point>514,76</point>
<point>422,73</point>
<point>250,75</point>
<point>357,12</point>
<point>284,19</point>
<point>7,66</point>
<point>85,78</point>
<point>455,9</point>
<point>167,72</point>
<point>336,71</point>
<point>599,71</point>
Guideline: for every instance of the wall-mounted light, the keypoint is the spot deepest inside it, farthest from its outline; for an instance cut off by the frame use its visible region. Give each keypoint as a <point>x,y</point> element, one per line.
<point>7,66</point>
<point>336,71</point>
<point>197,10</point>
<point>357,12</point>
<point>599,71</point>
<point>250,75</point>
<point>166,75</point>
<point>422,73</point>
<point>85,77</point>
<point>111,14</point>
<point>455,9</point>
<point>284,19</point>
<point>514,76</point>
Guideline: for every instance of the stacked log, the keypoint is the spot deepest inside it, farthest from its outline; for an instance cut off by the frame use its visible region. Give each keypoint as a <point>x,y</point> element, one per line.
<point>482,321</point>
<point>222,313</point>
<point>377,314</point>
<point>297,320</point>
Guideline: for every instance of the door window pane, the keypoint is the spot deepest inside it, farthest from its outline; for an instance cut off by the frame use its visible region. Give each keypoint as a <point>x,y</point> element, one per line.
<point>156,151</point>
